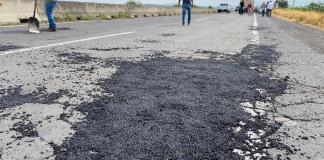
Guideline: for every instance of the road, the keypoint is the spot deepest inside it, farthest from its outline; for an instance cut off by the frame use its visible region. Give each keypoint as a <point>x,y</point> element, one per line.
<point>225,87</point>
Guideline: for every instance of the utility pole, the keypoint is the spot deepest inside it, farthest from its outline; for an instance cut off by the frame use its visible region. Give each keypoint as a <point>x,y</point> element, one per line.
<point>294,3</point>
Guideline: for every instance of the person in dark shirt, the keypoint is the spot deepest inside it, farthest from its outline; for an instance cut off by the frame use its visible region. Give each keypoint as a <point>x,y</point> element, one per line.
<point>186,7</point>
<point>241,10</point>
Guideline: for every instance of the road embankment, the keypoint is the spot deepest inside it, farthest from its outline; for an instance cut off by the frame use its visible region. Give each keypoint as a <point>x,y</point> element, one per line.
<point>18,11</point>
<point>311,18</point>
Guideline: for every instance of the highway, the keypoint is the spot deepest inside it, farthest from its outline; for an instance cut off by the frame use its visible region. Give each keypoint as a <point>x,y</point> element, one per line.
<point>226,87</point>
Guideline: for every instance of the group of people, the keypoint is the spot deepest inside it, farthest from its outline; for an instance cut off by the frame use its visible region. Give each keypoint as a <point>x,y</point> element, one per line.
<point>51,4</point>
<point>266,8</point>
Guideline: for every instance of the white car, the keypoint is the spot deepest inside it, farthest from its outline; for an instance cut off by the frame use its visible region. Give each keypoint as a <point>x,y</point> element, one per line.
<point>223,7</point>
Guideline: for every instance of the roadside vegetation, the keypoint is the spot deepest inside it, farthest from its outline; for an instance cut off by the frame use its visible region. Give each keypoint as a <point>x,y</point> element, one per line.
<point>130,12</point>
<point>312,14</point>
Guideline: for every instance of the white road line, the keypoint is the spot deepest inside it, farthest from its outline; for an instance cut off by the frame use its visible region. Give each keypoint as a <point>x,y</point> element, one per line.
<point>203,19</point>
<point>255,33</point>
<point>62,43</point>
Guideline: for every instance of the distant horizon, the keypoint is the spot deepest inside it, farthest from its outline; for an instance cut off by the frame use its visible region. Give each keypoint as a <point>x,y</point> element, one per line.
<point>203,3</point>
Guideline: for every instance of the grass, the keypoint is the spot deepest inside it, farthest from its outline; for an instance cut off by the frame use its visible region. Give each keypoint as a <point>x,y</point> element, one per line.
<point>86,18</point>
<point>307,17</point>
<point>121,15</point>
<point>103,17</point>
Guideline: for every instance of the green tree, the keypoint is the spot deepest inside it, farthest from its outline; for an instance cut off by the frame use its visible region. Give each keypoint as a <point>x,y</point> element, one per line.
<point>131,5</point>
<point>282,3</point>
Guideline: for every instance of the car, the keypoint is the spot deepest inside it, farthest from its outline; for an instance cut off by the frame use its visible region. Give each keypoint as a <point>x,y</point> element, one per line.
<point>223,7</point>
<point>257,10</point>
<point>237,9</point>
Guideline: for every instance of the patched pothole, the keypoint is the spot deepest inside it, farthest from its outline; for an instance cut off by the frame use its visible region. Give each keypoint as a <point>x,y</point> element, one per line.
<point>166,108</point>
<point>9,47</point>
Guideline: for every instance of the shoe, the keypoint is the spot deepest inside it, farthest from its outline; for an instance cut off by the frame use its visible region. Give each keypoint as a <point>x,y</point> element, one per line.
<point>51,30</point>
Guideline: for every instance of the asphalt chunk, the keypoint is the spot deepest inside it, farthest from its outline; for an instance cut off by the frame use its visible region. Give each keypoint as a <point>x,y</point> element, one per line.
<point>166,108</point>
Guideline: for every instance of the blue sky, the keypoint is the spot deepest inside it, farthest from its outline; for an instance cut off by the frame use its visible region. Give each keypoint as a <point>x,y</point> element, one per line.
<point>197,2</point>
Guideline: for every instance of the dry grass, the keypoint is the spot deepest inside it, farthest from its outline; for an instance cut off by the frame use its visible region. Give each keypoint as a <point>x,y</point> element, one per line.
<point>304,17</point>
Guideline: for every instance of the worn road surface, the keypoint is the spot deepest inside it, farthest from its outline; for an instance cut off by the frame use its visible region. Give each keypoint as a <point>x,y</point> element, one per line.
<point>226,88</point>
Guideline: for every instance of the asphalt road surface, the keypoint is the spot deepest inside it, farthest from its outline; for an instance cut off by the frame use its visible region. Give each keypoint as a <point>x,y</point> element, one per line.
<point>227,87</point>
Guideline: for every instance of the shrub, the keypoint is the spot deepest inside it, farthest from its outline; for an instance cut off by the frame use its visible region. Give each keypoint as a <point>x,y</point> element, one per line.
<point>104,17</point>
<point>121,15</point>
<point>68,17</point>
<point>86,18</point>
<point>58,19</point>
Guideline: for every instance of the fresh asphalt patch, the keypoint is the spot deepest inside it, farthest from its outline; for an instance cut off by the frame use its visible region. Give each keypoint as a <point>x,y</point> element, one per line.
<point>115,49</point>
<point>166,108</point>
<point>14,97</point>
<point>9,47</point>
<point>75,58</point>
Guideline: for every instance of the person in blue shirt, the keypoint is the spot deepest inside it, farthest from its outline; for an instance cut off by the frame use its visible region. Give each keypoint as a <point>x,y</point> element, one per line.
<point>49,8</point>
<point>186,7</point>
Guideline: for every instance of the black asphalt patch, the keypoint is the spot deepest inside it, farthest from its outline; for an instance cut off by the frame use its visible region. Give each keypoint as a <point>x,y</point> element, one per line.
<point>58,29</point>
<point>14,97</point>
<point>75,58</point>
<point>115,49</point>
<point>9,47</point>
<point>166,108</point>
<point>150,41</point>
<point>168,34</point>
<point>211,54</point>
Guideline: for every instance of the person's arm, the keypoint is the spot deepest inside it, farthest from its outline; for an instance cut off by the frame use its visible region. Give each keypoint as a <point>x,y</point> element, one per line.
<point>179,3</point>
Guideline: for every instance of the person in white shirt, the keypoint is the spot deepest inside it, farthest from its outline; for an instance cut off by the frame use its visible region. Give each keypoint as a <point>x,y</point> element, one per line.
<point>270,6</point>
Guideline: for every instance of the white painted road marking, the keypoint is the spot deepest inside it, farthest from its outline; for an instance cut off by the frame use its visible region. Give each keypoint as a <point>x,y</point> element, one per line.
<point>204,19</point>
<point>62,43</point>
<point>255,33</point>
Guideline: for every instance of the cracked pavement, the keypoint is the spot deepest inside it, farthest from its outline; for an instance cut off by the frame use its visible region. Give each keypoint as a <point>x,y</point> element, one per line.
<point>150,88</point>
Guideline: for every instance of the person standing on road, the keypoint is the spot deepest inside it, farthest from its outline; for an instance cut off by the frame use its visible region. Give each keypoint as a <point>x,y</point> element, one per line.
<point>49,8</point>
<point>241,8</point>
<point>263,8</point>
<point>270,6</point>
<point>186,7</point>
<point>250,8</point>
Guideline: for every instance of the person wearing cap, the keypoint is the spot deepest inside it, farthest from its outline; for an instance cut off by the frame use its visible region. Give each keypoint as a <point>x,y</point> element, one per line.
<point>49,8</point>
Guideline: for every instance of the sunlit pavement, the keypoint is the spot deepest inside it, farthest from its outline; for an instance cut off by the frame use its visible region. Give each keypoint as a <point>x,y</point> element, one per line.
<point>225,87</point>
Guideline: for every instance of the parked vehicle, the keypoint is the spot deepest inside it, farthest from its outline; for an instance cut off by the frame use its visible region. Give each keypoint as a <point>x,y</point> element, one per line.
<point>223,7</point>
<point>237,9</point>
